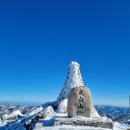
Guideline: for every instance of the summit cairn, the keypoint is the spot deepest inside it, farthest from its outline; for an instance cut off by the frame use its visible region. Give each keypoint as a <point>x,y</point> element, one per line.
<point>73,79</point>
<point>76,103</point>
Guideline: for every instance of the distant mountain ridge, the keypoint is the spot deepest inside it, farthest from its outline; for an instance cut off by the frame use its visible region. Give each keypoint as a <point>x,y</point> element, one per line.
<point>116,113</point>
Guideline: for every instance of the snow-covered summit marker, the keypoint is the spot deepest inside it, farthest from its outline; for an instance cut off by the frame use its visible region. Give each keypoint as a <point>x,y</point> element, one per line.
<point>73,79</point>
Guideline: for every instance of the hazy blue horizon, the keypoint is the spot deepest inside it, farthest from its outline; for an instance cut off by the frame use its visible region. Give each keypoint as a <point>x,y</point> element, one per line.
<point>24,103</point>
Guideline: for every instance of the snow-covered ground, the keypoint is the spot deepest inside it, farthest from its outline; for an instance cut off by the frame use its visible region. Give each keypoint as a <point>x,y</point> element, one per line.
<point>46,124</point>
<point>65,127</point>
<point>116,127</point>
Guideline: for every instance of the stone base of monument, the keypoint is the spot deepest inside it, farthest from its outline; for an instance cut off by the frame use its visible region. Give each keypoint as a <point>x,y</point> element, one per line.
<point>81,121</point>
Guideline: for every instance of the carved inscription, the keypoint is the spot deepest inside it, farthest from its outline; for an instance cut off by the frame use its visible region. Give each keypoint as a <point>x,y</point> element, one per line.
<point>81,99</point>
<point>79,102</point>
<point>81,92</point>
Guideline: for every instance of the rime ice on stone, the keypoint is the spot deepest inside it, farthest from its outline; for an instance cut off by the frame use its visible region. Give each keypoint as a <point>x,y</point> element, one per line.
<point>74,79</point>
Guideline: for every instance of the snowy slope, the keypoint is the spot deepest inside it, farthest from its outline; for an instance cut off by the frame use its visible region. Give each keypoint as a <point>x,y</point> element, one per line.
<point>117,126</point>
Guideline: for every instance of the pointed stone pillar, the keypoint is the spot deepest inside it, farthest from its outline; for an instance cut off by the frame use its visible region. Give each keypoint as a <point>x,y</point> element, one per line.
<point>73,79</point>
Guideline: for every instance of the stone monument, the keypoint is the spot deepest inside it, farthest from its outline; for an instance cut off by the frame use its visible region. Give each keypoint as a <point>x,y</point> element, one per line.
<point>73,80</point>
<point>80,102</point>
<point>75,99</point>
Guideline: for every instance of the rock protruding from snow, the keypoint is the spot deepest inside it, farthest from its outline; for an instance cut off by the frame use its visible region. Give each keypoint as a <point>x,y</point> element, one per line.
<point>12,115</point>
<point>36,110</point>
<point>49,112</point>
<point>74,79</point>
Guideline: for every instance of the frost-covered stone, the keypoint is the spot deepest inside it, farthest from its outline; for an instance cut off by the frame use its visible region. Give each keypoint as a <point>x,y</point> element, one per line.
<point>12,115</point>
<point>36,110</point>
<point>80,102</point>
<point>62,107</point>
<point>96,123</point>
<point>49,112</point>
<point>74,79</point>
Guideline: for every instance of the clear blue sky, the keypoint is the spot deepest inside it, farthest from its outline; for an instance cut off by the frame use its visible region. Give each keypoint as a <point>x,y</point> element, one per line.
<point>38,39</point>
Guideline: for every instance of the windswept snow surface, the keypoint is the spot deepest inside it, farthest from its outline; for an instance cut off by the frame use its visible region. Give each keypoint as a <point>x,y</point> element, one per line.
<point>65,127</point>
